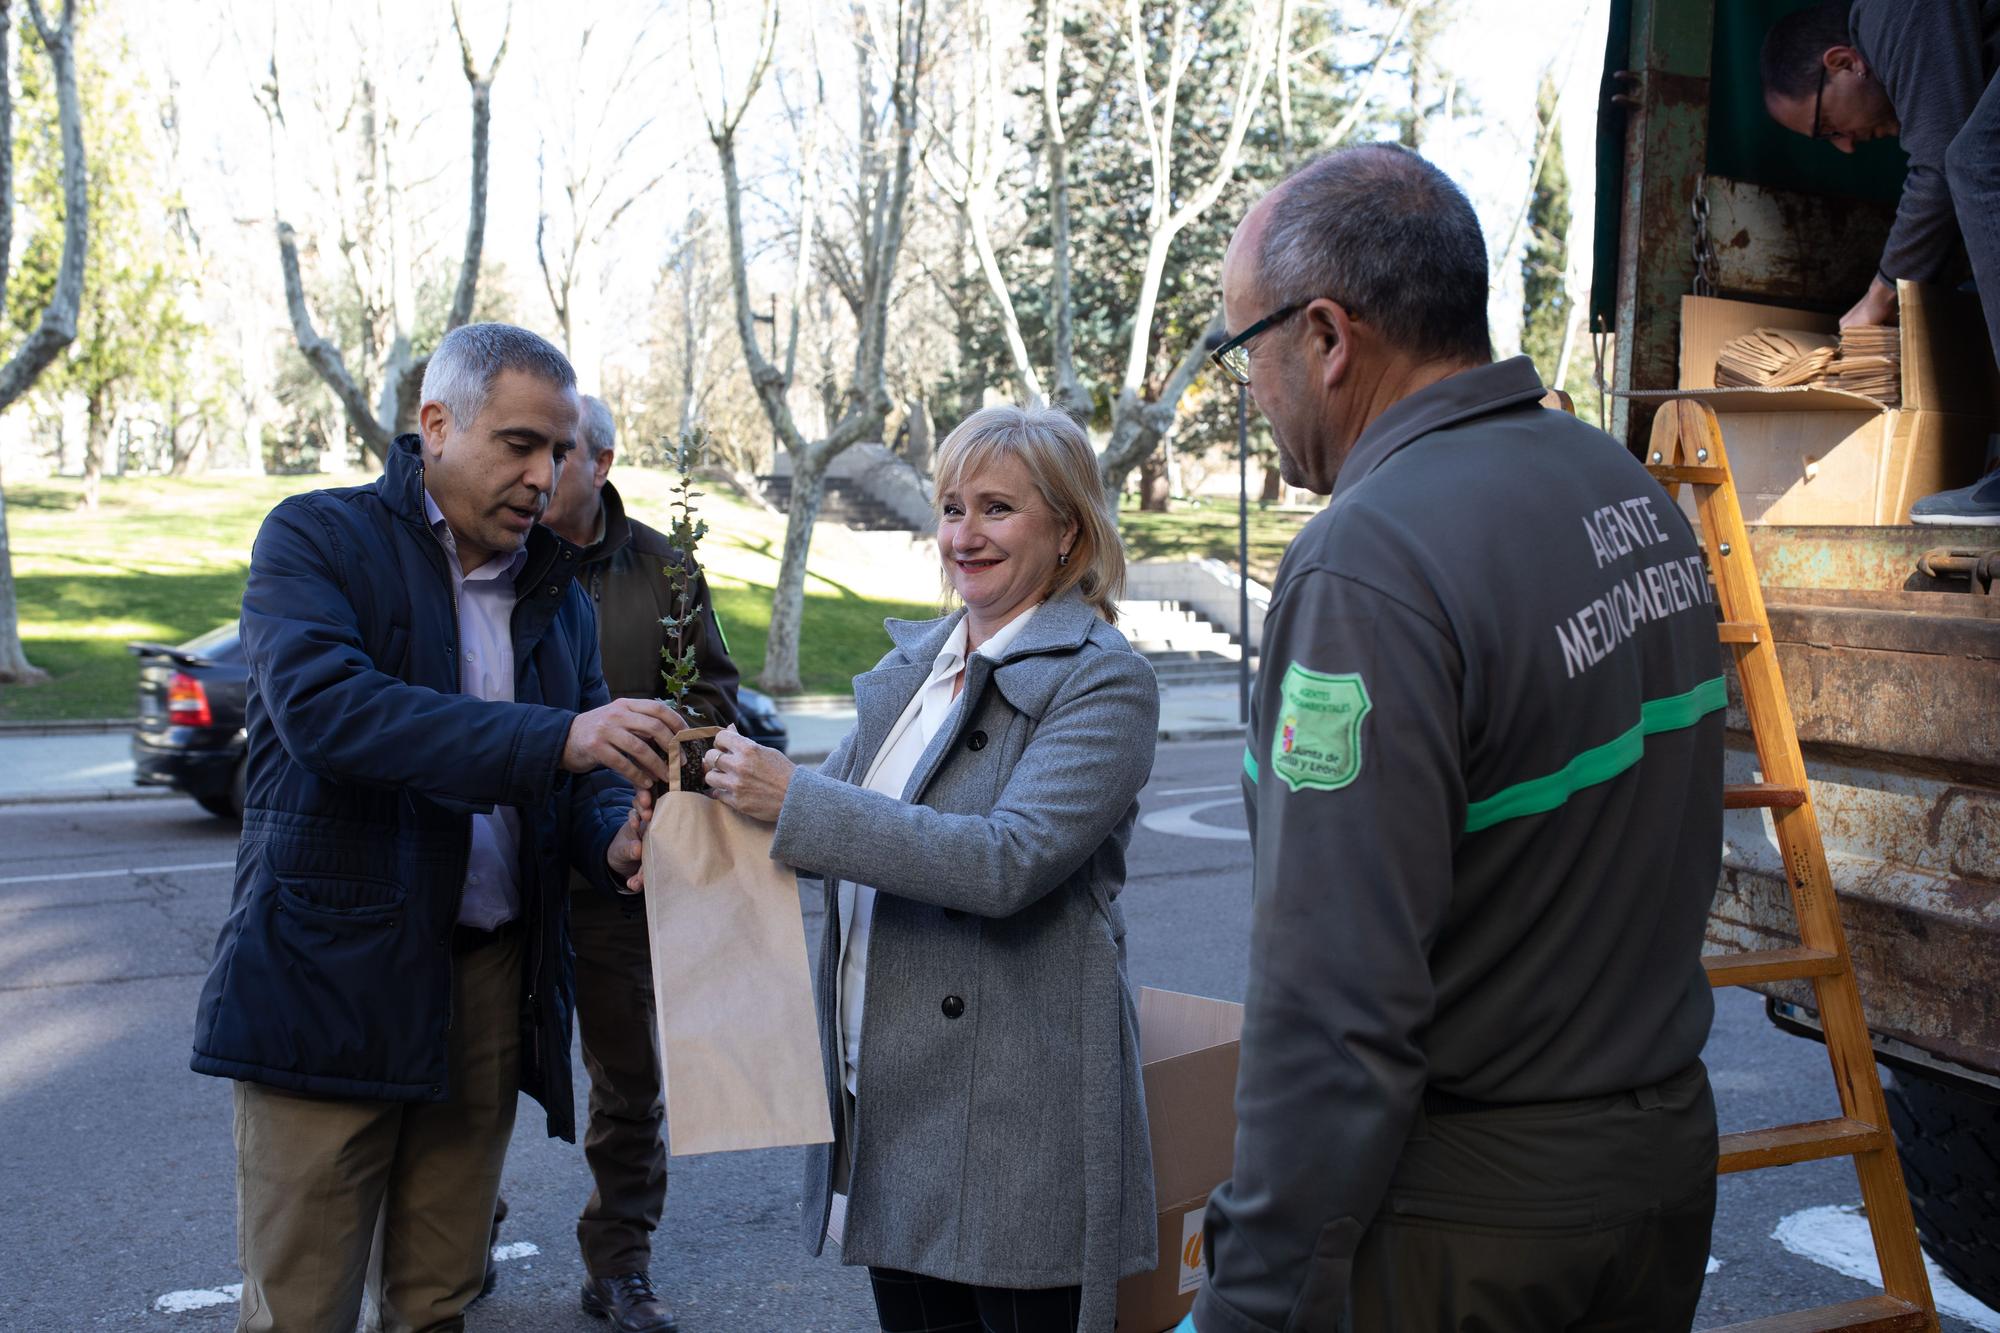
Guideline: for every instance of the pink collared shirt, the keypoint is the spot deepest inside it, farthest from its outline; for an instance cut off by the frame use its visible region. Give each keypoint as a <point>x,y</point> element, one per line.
<point>485,600</point>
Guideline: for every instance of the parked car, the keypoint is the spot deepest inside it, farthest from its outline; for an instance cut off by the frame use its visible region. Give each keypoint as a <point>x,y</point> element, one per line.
<point>190,730</point>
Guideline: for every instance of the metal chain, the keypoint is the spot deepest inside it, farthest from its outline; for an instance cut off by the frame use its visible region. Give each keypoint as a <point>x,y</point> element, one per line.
<point>1704,248</point>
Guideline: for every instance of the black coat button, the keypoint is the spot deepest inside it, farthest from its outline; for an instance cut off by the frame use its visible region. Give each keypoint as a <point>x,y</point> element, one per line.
<point>976,741</point>
<point>553,590</point>
<point>952,1006</point>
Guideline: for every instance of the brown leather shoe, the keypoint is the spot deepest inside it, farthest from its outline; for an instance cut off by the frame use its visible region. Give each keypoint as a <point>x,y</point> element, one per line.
<point>629,1302</point>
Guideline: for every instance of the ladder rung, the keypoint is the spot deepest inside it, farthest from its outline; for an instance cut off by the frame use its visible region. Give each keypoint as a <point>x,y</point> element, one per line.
<point>1693,476</point>
<point>1748,969</point>
<point>1874,1314</point>
<point>1788,1145</point>
<point>1739,631</point>
<point>1761,795</point>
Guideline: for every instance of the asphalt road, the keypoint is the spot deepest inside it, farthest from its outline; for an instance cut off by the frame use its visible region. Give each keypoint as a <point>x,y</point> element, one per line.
<point>118,1168</point>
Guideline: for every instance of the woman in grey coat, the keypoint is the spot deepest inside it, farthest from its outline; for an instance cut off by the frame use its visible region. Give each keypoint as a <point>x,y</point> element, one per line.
<point>990,1163</point>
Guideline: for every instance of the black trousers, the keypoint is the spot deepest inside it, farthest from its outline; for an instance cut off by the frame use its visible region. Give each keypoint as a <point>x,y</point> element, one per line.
<point>1564,1217</point>
<point>912,1303</point>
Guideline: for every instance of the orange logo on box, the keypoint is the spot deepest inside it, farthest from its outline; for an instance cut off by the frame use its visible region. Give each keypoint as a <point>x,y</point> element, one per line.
<point>1194,1268</point>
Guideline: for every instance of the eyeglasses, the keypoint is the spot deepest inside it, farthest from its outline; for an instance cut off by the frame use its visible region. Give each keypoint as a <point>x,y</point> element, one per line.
<point>1234,355</point>
<point>1819,99</point>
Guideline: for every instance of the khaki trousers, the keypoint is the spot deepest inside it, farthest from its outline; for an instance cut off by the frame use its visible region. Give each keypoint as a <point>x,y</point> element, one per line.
<point>614,1017</point>
<point>314,1175</point>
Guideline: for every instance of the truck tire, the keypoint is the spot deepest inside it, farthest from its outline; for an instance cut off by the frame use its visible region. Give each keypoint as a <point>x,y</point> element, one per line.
<point>1948,1135</point>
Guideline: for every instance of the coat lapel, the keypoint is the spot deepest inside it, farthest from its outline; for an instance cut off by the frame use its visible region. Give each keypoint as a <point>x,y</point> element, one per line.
<point>1036,664</point>
<point>881,695</point>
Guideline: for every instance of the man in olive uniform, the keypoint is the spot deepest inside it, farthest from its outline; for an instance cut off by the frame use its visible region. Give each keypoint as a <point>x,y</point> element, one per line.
<point>628,570</point>
<point>1484,781</point>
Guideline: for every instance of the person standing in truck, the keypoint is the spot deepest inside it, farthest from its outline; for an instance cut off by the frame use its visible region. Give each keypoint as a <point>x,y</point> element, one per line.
<point>1924,74</point>
<point>1484,787</point>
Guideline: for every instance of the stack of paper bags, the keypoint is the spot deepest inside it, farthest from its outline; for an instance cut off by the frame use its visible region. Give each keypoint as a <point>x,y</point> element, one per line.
<point>1870,363</point>
<point>1773,359</point>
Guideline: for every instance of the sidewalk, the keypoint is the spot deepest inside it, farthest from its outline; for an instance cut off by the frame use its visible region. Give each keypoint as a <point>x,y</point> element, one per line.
<point>97,766</point>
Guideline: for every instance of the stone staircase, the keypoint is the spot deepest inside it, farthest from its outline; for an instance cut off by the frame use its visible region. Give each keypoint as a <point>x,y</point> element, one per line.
<point>1184,647</point>
<point>845,502</point>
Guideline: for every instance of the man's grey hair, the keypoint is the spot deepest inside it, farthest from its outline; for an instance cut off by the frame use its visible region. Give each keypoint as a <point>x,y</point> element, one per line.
<point>469,358</point>
<point>599,432</point>
<point>1392,239</point>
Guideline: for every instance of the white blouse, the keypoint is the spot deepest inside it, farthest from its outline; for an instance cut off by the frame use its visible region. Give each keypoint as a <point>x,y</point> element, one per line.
<point>889,774</point>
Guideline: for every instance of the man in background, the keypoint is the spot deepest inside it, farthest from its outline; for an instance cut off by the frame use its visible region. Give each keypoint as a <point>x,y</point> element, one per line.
<point>629,571</point>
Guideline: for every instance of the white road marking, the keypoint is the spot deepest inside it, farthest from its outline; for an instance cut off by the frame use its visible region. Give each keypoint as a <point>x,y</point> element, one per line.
<point>180,1302</point>
<point>1714,1265</point>
<point>1181,822</point>
<point>1836,1236</point>
<point>1200,791</point>
<point>115,874</point>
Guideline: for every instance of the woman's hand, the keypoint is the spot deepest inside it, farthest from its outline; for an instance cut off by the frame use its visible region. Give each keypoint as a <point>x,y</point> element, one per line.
<point>746,776</point>
<point>627,850</point>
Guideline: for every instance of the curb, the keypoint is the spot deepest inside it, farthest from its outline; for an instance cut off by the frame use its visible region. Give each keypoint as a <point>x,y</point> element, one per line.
<point>69,726</point>
<point>811,703</point>
<point>1202,733</point>
<point>90,795</point>
<point>800,757</point>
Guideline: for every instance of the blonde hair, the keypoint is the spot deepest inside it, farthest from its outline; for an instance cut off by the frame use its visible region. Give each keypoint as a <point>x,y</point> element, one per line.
<point>1057,455</point>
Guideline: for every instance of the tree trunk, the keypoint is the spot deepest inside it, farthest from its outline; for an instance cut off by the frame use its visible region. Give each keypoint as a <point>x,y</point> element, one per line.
<point>923,434</point>
<point>781,648</point>
<point>14,666</point>
<point>1155,493</point>
<point>98,426</point>
<point>1274,483</point>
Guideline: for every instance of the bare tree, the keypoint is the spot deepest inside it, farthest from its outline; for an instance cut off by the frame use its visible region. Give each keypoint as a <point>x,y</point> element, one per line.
<point>866,279</point>
<point>967,159</point>
<point>1147,406</point>
<point>57,327</point>
<point>397,369</point>
<point>599,175</point>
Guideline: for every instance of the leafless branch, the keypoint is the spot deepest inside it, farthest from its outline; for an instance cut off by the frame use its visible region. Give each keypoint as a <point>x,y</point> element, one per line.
<point>56,328</point>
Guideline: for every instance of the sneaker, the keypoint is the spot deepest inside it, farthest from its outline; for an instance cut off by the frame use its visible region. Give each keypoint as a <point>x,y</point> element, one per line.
<point>629,1302</point>
<point>1977,505</point>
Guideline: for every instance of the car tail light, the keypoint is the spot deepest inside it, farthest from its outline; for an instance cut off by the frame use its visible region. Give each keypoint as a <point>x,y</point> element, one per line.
<point>187,702</point>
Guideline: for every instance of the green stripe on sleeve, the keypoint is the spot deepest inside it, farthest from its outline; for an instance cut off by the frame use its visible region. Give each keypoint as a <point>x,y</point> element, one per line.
<point>1600,763</point>
<point>1250,765</point>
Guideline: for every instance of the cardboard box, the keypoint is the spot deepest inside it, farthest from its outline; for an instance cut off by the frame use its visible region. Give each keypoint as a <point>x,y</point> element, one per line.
<point>1187,1049</point>
<point>1829,457</point>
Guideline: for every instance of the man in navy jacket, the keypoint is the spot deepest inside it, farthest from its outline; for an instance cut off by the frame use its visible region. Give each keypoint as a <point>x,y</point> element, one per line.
<point>431,751</point>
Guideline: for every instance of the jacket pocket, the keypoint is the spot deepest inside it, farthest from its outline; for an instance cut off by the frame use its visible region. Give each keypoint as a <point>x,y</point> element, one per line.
<point>340,895</point>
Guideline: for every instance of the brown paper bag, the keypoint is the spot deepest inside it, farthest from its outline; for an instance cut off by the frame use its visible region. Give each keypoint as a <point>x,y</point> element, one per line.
<point>739,1044</point>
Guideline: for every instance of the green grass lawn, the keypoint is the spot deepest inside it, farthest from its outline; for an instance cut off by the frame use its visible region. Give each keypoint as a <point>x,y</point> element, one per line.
<point>1196,530</point>
<point>164,559</point>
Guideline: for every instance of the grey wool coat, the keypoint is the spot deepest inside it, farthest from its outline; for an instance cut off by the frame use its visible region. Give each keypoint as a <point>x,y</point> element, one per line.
<point>1000,1135</point>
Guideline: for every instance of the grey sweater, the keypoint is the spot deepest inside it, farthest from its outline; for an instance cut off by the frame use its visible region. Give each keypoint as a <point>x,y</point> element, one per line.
<point>1934,58</point>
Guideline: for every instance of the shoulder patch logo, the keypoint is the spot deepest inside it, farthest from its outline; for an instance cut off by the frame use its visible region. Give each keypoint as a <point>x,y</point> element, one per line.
<point>1317,743</point>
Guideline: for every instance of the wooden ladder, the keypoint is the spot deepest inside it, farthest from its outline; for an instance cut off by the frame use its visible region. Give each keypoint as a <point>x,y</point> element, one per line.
<point>1687,450</point>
